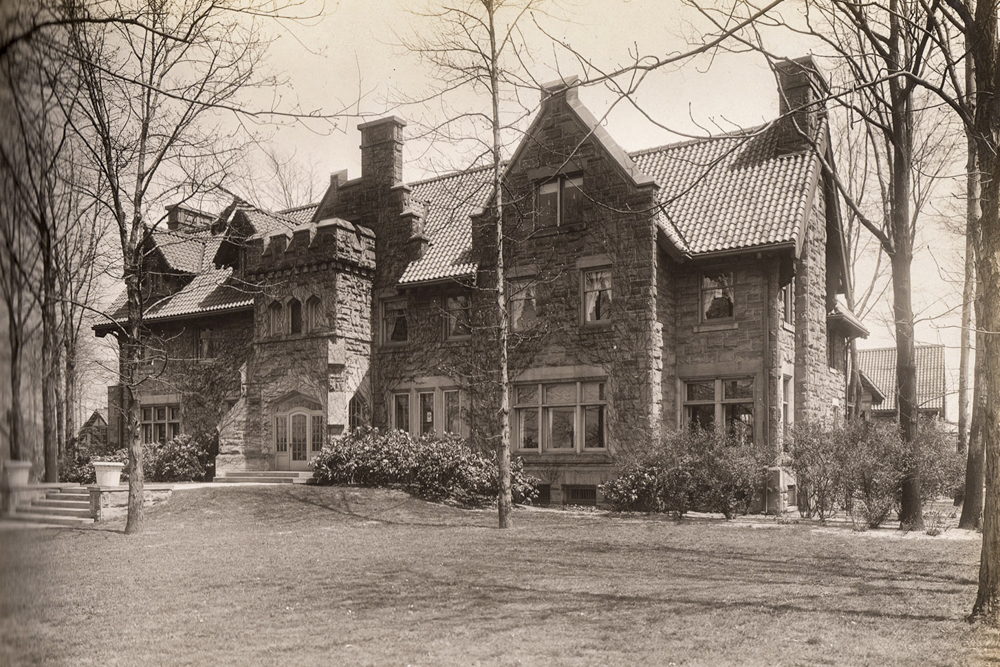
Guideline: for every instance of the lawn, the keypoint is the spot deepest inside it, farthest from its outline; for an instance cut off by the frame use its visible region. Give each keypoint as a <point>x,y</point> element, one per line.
<point>302,575</point>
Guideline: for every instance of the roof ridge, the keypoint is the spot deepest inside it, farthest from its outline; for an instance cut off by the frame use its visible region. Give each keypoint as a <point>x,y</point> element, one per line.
<point>297,208</point>
<point>451,174</point>
<point>738,133</point>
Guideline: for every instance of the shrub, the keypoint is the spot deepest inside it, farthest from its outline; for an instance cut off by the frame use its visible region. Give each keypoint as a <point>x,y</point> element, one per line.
<point>942,468</point>
<point>689,469</point>
<point>440,468</point>
<point>873,470</point>
<point>182,459</point>
<point>817,458</point>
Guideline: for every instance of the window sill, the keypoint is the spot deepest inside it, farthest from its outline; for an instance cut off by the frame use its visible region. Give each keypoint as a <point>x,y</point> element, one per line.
<point>790,328</point>
<point>596,327</point>
<point>716,326</point>
<point>558,229</point>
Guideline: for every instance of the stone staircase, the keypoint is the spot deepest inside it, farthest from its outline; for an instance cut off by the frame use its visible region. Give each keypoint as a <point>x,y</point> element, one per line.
<point>263,476</point>
<point>68,506</point>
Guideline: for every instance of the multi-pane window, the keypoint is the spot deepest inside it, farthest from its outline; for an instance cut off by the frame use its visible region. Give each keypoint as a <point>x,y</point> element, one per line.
<point>394,327</point>
<point>523,305</point>
<point>358,413</point>
<point>459,317</point>
<point>559,202</point>
<point>788,303</point>
<point>561,417</point>
<point>401,412</point>
<point>205,348</point>
<point>313,314</point>
<point>160,423</point>
<point>295,315</point>
<point>786,405</point>
<point>299,433</point>
<point>275,323</point>
<point>453,411</point>
<point>596,295</point>
<point>726,401</point>
<point>426,412</point>
<point>716,296</point>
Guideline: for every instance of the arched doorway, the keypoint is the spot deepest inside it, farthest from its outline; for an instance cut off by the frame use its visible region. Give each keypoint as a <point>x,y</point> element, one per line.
<point>299,425</point>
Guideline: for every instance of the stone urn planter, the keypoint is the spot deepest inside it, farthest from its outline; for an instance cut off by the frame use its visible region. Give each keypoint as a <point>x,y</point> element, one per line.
<point>109,473</point>
<point>15,473</point>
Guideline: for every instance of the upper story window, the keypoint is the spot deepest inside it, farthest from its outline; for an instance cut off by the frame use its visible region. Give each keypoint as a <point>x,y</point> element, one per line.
<point>459,317</point>
<point>523,306</point>
<point>716,296</point>
<point>314,314</point>
<point>559,201</point>
<point>394,326</point>
<point>561,417</point>
<point>275,323</point>
<point>726,401</point>
<point>205,347</point>
<point>596,296</point>
<point>788,303</point>
<point>295,315</point>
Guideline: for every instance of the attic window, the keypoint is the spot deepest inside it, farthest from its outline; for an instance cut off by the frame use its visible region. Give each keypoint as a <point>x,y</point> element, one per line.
<point>559,202</point>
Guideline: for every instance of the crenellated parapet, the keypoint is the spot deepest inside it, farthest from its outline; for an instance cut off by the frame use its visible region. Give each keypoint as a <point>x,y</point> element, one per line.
<point>330,243</point>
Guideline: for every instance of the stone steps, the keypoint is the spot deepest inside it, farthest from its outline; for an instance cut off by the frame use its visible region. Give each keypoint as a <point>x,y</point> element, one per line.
<point>60,507</point>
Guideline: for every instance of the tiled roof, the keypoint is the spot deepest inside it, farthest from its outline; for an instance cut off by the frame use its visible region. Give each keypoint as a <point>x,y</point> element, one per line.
<point>726,193</point>
<point>266,223</point>
<point>183,252</point>
<point>449,201</point>
<point>300,214</point>
<point>209,292</point>
<point>732,192</point>
<point>880,367</point>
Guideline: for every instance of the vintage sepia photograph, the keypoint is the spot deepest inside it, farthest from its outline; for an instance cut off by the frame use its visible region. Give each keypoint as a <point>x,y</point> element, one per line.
<point>500,332</point>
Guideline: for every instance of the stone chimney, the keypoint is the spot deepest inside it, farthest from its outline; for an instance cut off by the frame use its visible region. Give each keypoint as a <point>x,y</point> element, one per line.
<point>801,93</point>
<point>382,151</point>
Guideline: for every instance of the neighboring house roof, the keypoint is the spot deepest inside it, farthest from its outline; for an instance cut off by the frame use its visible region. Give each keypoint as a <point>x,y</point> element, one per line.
<point>448,203</point>
<point>96,419</point>
<point>879,366</point>
<point>209,292</point>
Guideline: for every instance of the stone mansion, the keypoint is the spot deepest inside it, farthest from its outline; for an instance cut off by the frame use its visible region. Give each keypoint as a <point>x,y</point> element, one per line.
<point>703,281</point>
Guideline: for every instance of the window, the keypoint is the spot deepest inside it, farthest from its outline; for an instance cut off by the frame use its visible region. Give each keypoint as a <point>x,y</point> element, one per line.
<point>299,432</point>
<point>716,296</point>
<point>160,423</point>
<point>394,329</point>
<point>596,296</point>
<point>459,317</point>
<point>358,413</point>
<point>788,303</point>
<point>426,412</point>
<point>274,319</point>
<point>453,411</point>
<point>205,347</point>
<point>726,401</point>
<point>559,202</point>
<point>836,352</point>
<point>295,315</point>
<point>523,305</point>
<point>579,495</point>
<point>314,314</point>
<point>562,417</point>
<point>786,406</point>
<point>401,412</point>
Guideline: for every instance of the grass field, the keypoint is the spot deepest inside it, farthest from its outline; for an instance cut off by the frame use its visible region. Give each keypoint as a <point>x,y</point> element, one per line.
<point>296,575</point>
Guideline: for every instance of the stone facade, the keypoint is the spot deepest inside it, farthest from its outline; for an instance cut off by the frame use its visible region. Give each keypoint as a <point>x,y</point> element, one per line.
<point>610,340</point>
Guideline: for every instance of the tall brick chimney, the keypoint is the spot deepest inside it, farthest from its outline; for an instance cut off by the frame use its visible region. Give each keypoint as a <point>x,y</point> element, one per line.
<point>382,151</point>
<point>801,93</point>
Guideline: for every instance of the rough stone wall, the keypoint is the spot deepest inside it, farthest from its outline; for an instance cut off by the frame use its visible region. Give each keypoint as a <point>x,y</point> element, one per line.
<point>614,229</point>
<point>818,388</point>
<point>666,314</point>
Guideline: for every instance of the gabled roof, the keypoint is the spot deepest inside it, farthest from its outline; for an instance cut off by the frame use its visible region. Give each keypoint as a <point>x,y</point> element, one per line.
<point>879,365</point>
<point>728,193</point>
<point>449,202</point>
<point>184,253</point>
<point>733,192</point>
<point>212,291</point>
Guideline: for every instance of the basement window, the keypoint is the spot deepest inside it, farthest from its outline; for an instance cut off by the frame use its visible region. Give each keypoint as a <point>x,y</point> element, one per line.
<point>580,495</point>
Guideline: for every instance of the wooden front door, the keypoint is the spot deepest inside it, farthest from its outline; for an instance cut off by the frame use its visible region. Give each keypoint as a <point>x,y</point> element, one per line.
<point>299,444</point>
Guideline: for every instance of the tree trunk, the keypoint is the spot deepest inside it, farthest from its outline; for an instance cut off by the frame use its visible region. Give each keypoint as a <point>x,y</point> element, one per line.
<point>504,499</point>
<point>130,365</point>
<point>972,501</point>
<point>69,389</point>
<point>50,376</point>
<point>14,417</point>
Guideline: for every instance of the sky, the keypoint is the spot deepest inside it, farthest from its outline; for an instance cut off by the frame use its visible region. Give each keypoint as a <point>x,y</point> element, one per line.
<point>351,56</point>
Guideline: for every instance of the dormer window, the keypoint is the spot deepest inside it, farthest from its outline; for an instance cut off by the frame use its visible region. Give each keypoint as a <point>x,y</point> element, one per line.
<point>559,201</point>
